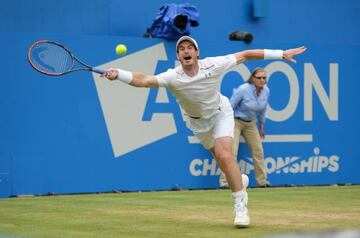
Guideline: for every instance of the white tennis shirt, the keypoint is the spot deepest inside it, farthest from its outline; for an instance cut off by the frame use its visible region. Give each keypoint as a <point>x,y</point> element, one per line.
<point>199,95</point>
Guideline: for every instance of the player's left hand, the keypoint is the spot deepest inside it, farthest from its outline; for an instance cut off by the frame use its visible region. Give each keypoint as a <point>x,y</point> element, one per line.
<point>290,53</point>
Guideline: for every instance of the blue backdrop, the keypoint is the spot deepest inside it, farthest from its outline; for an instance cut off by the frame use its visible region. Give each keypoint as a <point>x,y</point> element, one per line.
<point>80,133</point>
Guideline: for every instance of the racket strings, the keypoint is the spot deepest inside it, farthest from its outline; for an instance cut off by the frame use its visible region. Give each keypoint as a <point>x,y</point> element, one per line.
<point>51,58</point>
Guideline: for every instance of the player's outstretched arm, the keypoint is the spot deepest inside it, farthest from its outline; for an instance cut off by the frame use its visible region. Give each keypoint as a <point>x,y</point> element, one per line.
<point>267,54</point>
<point>136,79</point>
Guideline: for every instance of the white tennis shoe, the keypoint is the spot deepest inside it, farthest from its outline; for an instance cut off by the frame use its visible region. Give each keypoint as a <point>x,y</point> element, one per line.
<point>242,218</point>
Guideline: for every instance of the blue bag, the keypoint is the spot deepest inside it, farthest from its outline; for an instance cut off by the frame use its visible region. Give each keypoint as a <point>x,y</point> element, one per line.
<point>174,21</point>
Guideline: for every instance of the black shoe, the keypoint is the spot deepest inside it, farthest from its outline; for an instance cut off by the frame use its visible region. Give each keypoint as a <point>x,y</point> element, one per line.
<point>225,186</point>
<point>267,185</point>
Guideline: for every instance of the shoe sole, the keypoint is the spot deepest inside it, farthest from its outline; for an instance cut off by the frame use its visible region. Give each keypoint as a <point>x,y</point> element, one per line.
<point>242,225</point>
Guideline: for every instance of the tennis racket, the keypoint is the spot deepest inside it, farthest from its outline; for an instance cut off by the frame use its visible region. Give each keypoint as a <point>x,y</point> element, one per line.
<point>51,58</point>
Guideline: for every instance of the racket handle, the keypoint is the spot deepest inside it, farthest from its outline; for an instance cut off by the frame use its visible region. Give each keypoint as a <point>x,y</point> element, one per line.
<point>98,70</point>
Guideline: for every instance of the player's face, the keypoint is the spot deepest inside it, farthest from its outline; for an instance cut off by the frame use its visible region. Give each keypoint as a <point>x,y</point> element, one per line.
<point>259,79</point>
<point>187,53</point>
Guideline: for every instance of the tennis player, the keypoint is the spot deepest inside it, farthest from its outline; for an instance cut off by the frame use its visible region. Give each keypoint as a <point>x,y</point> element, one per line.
<point>209,114</point>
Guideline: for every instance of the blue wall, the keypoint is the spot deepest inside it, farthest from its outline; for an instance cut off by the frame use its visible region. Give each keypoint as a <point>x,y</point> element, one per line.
<point>320,21</point>
<point>79,133</point>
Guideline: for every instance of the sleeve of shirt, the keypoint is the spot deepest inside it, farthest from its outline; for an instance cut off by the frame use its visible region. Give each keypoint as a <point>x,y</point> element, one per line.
<point>223,63</point>
<point>164,78</point>
<point>236,98</point>
<point>262,116</point>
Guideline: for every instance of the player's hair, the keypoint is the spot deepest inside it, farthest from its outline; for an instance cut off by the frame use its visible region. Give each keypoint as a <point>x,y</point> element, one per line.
<point>177,47</point>
<point>196,48</point>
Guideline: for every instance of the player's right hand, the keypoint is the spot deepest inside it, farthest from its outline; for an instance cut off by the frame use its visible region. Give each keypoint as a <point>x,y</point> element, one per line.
<point>111,74</point>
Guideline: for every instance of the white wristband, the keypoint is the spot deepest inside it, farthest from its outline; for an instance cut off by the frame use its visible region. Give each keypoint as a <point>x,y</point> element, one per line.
<point>125,76</point>
<point>273,54</point>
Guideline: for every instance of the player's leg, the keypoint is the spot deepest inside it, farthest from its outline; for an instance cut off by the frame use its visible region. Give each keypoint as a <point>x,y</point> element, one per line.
<point>223,183</point>
<point>221,147</point>
<point>225,158</point>
<point>220,143</point>
<point>223,150</point>
<point>253,140</point>
<point>237,181</point>
<point>237,134</point>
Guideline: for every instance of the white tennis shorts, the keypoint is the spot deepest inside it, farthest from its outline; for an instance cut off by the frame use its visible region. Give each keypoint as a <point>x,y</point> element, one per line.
<point>223,127</point>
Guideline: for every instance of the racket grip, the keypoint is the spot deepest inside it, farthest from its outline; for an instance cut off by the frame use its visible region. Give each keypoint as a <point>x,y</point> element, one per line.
<point>98,70</point>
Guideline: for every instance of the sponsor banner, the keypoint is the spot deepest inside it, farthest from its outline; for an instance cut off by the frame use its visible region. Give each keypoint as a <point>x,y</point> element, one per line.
<point>83,133</point>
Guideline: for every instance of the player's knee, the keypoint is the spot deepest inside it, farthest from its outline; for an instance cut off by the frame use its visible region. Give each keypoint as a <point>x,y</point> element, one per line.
<point>225,157</point>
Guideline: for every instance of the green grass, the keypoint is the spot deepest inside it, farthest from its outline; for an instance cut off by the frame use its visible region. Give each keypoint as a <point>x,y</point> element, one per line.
<point>175,214</point>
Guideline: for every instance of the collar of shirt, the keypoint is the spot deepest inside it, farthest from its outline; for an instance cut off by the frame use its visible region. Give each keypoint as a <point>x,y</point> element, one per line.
<point>253,88</point>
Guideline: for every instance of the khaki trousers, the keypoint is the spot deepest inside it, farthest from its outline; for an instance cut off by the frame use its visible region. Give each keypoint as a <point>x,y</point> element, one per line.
<point>252,138</point>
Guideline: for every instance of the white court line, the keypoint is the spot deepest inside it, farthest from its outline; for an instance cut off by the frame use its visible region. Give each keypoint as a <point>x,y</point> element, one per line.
<point>270,138</point>
<point>289,138</point>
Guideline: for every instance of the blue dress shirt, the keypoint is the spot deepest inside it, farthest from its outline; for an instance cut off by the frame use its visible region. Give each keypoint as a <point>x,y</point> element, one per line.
<point>247,105</point>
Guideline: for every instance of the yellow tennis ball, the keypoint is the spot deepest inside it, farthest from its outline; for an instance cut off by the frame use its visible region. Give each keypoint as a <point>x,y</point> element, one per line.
<point>120,49</point>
